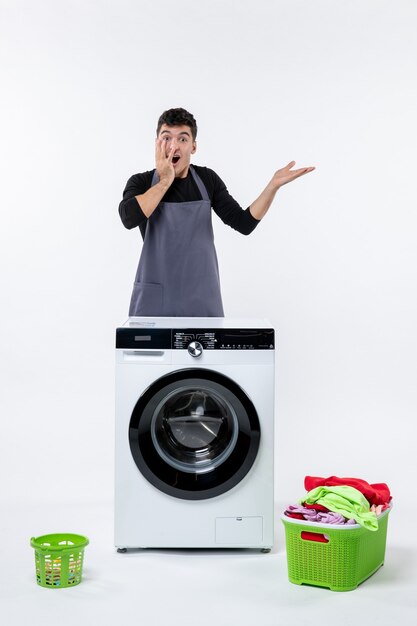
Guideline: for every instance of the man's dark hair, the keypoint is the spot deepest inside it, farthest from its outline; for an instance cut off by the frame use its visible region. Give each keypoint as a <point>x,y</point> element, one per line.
<point>178,117</point>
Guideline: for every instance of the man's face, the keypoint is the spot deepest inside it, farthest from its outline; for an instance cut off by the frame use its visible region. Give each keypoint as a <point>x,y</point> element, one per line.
<point>181,139</point>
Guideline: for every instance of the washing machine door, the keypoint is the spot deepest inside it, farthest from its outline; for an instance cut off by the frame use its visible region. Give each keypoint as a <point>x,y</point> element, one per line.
<point>194,434</point>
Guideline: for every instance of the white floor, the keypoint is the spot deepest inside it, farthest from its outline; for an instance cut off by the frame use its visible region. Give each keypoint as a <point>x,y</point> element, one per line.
<point>199,587</point>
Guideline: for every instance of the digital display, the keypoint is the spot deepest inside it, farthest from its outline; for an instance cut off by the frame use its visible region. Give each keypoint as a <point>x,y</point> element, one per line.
<point>143,338</point>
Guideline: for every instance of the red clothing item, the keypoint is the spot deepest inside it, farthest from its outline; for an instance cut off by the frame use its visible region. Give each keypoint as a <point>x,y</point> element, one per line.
<point>308,536</point>
<point>295,515</point>
<point>317,507</point>
<point>378,493</point>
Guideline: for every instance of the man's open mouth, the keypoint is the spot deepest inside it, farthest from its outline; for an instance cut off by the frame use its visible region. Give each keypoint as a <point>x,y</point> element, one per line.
<point>175,159</point>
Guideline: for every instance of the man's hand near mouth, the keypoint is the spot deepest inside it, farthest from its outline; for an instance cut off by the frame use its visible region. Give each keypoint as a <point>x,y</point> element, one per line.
<point>164,166</point>
<point>163,162</point>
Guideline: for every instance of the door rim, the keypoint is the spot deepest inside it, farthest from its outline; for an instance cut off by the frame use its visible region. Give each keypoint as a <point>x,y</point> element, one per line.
<point>191,485</point>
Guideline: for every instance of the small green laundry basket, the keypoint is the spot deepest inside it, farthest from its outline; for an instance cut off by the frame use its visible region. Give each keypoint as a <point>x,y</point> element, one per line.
<point>59,559</point>
<point>332,556</point>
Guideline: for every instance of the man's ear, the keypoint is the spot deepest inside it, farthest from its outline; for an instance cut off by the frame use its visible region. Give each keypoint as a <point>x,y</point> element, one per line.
<point>194,148</point>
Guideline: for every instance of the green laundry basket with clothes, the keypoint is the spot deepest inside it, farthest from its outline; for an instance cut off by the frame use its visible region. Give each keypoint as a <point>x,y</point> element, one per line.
<point>59,559</point>
<point>332,556</point>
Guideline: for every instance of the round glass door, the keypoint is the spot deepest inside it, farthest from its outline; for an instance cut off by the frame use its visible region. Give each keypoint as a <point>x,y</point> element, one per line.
<point>194,434</point>
<point>194,429</point>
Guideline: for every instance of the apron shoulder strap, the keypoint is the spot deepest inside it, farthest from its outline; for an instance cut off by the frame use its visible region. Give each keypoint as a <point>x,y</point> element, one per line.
<point>155,178</point>
<point>201,186</point>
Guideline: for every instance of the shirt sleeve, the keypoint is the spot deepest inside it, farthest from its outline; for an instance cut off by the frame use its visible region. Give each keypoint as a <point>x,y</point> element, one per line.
<point>129,209</point>
<point>229,210</point>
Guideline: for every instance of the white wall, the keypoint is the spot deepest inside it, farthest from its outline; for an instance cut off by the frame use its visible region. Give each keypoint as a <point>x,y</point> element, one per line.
<point>333,265</point>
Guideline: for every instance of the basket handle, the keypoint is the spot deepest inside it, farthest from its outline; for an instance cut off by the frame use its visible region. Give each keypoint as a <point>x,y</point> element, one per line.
<point>311,536</point>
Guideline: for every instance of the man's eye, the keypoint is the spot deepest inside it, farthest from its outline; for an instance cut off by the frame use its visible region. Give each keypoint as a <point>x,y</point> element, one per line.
<point>165,138</point>
<point>184,139</point>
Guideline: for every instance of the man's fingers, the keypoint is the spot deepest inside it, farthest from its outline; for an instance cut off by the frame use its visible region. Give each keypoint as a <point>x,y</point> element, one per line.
<point>303,170</point>
<point>159,146</point>
<point>161,151</point>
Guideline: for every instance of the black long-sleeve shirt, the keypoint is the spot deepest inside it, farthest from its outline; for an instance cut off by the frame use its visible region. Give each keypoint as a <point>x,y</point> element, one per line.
<point>186,190</point>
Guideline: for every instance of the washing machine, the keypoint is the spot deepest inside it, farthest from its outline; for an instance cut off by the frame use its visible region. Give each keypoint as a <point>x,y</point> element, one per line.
<point>194,458</point>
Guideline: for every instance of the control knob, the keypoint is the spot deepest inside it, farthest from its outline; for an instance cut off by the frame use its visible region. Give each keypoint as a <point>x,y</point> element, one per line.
<point>195,349</point>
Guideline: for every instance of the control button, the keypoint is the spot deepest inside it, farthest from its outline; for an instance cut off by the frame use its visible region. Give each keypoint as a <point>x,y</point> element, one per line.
<point>195,349</point>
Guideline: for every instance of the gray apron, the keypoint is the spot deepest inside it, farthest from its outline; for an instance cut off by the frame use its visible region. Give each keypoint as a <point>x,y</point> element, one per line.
<point>178,273</point>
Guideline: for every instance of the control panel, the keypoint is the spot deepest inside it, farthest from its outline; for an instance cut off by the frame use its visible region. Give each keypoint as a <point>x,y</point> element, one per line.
<point>225,339</point>
<point>180,339</point>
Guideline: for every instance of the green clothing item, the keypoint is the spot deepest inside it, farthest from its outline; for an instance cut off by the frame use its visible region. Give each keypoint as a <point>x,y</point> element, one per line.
<point>347,501</point>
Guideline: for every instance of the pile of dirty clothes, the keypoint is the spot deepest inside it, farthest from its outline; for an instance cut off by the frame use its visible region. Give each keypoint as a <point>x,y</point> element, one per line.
<point>335,500</point>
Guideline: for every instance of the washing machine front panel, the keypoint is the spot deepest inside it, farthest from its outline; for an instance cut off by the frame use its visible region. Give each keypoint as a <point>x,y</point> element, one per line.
<point>193,429</point>
<point>194,434</point>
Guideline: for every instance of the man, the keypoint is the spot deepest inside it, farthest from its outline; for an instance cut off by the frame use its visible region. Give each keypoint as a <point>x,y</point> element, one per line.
<point>178,272</point>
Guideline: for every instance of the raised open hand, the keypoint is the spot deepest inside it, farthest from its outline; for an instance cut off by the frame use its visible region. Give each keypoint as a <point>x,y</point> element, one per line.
<point>287,174</point>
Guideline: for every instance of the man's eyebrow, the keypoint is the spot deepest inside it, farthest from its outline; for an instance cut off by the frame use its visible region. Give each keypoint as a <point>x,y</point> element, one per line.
<point>183,132</point>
